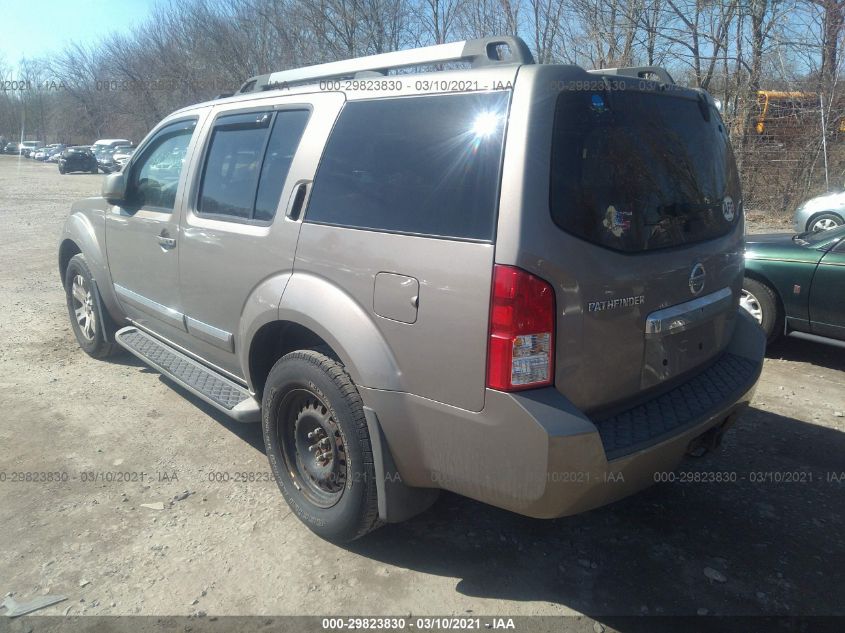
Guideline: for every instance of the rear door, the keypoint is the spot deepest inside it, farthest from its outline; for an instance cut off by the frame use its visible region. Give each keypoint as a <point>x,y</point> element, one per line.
<point>142,234</point>
<point>645,194</point>
<point>237,230</point>
<point>827,295</point>
<point>402,218</point>
<point>629,205</point>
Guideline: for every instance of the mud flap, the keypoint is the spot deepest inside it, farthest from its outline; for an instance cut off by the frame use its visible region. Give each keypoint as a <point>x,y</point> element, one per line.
<point>98,302</point>
<point>396,501</point>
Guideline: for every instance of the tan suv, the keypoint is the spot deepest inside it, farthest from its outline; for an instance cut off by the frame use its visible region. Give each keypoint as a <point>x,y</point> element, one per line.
<point>517,282</point>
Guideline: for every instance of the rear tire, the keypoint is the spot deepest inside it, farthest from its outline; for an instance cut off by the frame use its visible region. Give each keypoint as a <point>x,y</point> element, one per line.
<point>761,301</point>
<point>317,441</point>
<point>94,335</point>
<point>825,221</point>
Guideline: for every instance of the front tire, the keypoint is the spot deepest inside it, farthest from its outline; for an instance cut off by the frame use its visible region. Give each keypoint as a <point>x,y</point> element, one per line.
<point>761,301</point>
<point>94,335</point>
<point>319,447</point>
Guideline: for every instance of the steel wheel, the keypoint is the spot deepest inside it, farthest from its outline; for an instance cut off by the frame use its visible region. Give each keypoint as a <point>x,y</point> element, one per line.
<point>83,307</point>
<point>751,305</point>
<point>313,447</point>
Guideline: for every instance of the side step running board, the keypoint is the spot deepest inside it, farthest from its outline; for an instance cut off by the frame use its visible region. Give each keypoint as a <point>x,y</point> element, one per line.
<point>220,392</point>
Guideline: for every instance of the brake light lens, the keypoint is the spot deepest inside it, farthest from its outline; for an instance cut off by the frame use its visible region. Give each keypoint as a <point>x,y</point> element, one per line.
<point>520,352</point>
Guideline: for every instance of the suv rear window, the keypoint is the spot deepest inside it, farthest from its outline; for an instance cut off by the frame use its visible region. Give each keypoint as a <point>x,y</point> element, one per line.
<point>417,165</point>
<point>638,171</point>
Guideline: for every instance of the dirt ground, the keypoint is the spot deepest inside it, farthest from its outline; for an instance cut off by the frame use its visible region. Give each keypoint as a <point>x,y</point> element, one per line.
<point>771,542</point>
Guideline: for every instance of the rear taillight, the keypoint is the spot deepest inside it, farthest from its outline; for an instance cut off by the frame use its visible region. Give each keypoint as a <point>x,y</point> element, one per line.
<point>520,354</point>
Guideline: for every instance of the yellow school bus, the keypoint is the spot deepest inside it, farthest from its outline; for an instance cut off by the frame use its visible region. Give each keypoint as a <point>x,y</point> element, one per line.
<point>784,112</point>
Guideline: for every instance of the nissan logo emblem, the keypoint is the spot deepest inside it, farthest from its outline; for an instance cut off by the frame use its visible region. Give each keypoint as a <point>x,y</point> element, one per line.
<point>697,278</point>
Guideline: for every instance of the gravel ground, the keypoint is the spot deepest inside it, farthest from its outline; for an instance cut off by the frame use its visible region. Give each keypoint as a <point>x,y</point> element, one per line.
<point>770,542</point>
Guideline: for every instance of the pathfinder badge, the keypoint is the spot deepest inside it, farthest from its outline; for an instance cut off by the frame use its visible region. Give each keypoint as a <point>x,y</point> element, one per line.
<point>612,304</point>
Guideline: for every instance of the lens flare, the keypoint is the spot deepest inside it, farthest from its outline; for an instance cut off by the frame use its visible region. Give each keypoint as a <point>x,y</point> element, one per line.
<point>485,124</point>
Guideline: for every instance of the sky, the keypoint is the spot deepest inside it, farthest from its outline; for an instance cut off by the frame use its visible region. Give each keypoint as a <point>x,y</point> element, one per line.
<point>37,28</point>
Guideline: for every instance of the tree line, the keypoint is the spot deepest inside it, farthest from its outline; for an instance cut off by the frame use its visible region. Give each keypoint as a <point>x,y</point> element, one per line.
<point>192,50</point>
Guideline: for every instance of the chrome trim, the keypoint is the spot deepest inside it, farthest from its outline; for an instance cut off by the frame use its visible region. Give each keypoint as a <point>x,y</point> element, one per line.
<point>781,259</point>
<point>210,334</point>
<point>169,315</point>
<point>683,316</point>
<point>697,279</point>
<point>187,352</point>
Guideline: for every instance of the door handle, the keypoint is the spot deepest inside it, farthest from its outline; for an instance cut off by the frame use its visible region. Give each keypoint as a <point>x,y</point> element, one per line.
<point>297,201</point>
<point>166,242</point>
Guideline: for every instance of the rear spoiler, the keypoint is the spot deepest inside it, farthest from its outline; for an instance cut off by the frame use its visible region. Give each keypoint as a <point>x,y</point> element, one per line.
<point>640,72</point>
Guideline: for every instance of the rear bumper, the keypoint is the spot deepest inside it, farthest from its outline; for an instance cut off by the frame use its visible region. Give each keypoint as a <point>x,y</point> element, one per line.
<point>534,453</point>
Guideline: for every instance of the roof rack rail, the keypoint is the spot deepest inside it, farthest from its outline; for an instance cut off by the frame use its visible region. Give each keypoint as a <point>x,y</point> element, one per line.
<point>486,51</point>
<point>642,72</point>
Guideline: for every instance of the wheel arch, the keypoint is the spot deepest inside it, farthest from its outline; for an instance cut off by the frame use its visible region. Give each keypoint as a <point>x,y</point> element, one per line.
<point>67,249</point>
<point>272,341</point>
<point>84,232</point>
<point>314,312</point>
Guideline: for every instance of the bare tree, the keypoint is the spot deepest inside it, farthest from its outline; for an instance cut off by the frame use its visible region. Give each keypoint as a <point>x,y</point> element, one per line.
<point>701,29</point>
<point>436,20</point>
<point>546,27</point>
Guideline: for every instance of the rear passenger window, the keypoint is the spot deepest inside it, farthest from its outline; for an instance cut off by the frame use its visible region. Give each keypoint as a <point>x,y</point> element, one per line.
<point>248,160</point>
<point>284,139</point>
<point>420,165</point>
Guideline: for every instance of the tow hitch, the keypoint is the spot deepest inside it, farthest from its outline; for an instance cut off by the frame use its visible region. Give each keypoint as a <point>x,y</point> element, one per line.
<point>710,439</point>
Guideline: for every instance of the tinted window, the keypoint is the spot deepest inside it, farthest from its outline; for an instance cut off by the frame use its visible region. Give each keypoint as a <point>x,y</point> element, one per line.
<point>284,139</point>
<point>421,165</point>
<point>155,177</point>
<point>636,171</point>
<point>230,175</point>
<point>247,163</point>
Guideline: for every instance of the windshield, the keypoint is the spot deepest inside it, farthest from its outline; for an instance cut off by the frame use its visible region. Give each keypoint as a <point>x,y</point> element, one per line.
<point>636,171</point>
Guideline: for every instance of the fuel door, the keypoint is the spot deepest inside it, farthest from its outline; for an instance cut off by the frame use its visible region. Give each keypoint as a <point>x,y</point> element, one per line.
<point>396,297</point>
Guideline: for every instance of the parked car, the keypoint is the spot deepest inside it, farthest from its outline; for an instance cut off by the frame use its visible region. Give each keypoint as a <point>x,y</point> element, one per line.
<point>43,152</point>
<point>26,147</point>
<point>109,143</point>
<point>514,296</point>
<point>796,283</point>
<point>79,158</point>
<point>56,153</point>
<point>821,213</point>
<point>11,148</point>
<point>122,154</point>
<point>105,160</point>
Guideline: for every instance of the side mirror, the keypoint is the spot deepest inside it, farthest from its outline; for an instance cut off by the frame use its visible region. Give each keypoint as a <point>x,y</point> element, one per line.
<point>114,188</point>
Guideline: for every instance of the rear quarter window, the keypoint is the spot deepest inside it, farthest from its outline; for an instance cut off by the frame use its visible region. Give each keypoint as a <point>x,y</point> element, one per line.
<point>417,165</point>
